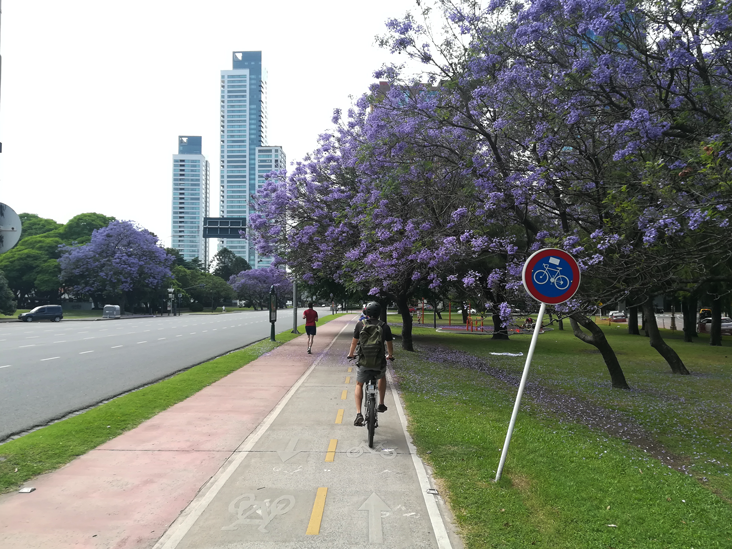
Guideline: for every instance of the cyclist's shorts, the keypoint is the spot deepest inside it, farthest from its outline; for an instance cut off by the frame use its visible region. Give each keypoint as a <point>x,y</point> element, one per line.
<point>362,376</point>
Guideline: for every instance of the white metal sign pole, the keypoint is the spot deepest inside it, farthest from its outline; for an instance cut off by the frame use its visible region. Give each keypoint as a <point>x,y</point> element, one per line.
<point>532,346</point>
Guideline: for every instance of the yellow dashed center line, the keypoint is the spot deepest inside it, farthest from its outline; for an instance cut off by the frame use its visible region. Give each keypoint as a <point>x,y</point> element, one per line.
<point>343,394</point>
<point>330,455</point>
<point>348,380</point>
<point>339,417</point>
<point>350,369</point>
<point>317,515</point>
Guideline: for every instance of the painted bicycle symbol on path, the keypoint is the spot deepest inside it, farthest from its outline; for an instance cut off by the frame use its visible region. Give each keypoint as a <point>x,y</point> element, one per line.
<point>552,273</point>
<point>386,453</point>
<point>263,511</point>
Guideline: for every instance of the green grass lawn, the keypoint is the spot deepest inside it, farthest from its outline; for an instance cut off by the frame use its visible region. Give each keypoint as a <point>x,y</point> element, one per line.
<point>57,444</point>
<point>565,485</point>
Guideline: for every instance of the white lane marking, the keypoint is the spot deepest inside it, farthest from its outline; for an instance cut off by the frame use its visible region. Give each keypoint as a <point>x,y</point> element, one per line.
<point>190,514</point>
<point>438,526</point>
<point>84,332</point>
<point>89,337</point>
<point>214,329</point>
<point>85,352</point>
<point>63,341</point>
<point>141,342</point>
<point>6,366</point>
<point>179,335</point>
<point>193,333</point>
<point>116,346</point>
<point>160,338</point>
<point>32,337</point>
<point>25,346</point>
<point>52,358</point>
<point>205,331</point>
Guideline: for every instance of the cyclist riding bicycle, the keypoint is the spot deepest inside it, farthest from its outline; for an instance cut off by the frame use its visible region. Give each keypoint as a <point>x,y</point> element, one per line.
<point>369,339</point>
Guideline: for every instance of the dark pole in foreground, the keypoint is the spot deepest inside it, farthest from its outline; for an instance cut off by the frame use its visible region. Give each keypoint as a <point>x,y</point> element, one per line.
<point>272,312</point>
<point>294,308</point>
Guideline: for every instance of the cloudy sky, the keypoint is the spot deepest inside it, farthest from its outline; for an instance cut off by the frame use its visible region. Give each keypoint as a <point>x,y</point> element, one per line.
<point>94,93</point>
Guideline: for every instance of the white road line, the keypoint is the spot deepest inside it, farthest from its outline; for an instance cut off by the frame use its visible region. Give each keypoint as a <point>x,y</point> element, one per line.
<point>179,335</point>
<point>59,341</point>
<point>6,366</point>
<point>89,337</point>
<point>52,358</point>
<point>85,352</point>
<point>32,337</point>
<point>116,346</point>
<point>205,331</point>
<point>141,342</point>
<point>192,333</point>
<point>438,525</point>
<point>206,495</point>
<point>160,338</point>
<point>25,346</point>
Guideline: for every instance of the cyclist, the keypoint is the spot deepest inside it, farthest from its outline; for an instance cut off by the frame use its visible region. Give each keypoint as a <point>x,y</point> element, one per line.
<point>369,360</point>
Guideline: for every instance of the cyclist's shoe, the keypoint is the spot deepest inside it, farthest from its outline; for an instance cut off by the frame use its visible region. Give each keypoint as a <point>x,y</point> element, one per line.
<point>358,422</point>
<point>381,409</point>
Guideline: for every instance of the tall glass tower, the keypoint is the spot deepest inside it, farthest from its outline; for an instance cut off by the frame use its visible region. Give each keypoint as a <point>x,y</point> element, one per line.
<point>190,199</point>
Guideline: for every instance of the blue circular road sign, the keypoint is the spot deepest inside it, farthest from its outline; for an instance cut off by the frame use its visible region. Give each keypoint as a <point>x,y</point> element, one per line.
<point>551,276</point>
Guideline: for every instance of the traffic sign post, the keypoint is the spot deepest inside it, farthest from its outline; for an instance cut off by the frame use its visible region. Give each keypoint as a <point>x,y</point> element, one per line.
<point>551,276</point>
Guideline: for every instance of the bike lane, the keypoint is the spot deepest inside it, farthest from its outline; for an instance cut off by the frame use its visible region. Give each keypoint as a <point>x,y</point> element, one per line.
<point>307,478</point>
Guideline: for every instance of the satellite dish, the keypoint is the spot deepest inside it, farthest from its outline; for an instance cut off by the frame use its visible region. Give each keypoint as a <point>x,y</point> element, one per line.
<point>10,228</point>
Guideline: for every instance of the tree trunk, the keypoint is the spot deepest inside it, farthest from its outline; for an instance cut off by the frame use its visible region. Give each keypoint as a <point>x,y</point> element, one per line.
<point>644,323</point>
<point>403,304</point>
<point>657,342</point>
<point>499,331</point>
<point>715,328</point>
<point>633,321</point>
<point>560,323</point>
<point>465,315</point>
<point>598,340</point>
<point>688,308</point>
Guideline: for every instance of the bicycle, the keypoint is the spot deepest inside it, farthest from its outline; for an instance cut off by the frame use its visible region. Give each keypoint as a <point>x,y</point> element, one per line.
<point>371,389</point>
<point>560,281</point>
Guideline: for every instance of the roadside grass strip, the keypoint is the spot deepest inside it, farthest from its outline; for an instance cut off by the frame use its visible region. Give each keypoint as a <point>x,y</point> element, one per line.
<point>55,445</point>
<point>566,485</point>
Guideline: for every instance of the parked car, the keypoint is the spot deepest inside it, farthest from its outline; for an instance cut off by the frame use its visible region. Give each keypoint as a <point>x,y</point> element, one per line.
<point>618,316</point>
<point>53,313</point>
<point>705,313</point>
<point>659,310</point>
<point>705,325</point>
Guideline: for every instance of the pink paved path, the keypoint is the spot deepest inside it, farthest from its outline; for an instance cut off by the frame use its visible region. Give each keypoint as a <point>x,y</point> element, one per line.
<point>127,492</point>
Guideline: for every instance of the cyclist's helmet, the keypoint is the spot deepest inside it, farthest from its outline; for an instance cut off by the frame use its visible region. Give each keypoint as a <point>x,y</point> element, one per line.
<point>373,310</point>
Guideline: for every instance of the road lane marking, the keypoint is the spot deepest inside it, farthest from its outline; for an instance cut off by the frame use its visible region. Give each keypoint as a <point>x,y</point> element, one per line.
<point>62,341</point>
<point>179,335</point>
<point>116,346</point>
<point>339,417</point>
<point>25,346</point>
<point>348,380</point>
<point>160,338</point>
<point>85,352</point>
<point>350,369</point>
<point>141,342</point>
<point>192,333</point>
<point>330,455</point>
<point>317,515</point>
<point>32,337</point>
<point>343,394</point>
<point>52,358</point>
<point>89,337</point>
<point>6,366</point>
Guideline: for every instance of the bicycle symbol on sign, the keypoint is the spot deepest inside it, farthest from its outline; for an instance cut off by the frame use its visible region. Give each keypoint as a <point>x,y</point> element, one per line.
<point>552,274</point>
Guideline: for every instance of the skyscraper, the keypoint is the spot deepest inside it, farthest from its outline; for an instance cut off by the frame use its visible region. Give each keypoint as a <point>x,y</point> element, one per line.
<point>191,196</point>
<point>243,124</point>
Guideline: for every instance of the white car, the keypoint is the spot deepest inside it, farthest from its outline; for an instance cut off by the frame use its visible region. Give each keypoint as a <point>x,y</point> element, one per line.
<point>705,324</point>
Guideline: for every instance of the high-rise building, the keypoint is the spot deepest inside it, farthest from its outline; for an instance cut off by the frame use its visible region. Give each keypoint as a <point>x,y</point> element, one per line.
<point>243,133</point>
<point>191,196</point>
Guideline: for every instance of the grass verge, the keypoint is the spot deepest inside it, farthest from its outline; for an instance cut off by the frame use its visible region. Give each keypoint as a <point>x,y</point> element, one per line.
<point>564,485</point>
<point>57,444</point>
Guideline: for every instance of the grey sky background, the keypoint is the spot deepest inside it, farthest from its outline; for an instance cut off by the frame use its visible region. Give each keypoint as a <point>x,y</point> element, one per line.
<point>96,92</point>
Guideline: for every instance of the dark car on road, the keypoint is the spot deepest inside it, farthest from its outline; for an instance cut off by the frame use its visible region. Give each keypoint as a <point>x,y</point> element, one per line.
<point>53,313</point>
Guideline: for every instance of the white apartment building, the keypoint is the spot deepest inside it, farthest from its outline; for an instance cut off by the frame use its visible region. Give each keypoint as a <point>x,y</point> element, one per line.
<point>191,196</point>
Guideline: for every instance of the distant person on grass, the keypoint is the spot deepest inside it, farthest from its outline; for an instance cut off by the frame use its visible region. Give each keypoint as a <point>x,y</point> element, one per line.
<point>369,339</point>
<point>311,317</point>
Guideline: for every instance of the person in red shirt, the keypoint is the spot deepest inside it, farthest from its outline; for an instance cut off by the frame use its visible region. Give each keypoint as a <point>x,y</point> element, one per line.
<point>311,317</point>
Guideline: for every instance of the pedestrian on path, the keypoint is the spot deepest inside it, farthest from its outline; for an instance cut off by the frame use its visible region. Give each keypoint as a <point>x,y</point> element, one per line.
<point>369,339</point>
<point>311,317</point>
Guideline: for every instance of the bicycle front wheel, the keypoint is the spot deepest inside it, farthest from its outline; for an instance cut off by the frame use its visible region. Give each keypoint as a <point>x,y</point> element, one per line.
<point>541,277</point>
<point>371,419</point>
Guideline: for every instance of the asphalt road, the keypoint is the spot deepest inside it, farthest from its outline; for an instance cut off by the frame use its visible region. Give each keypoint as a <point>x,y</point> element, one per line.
<point>49,370</point>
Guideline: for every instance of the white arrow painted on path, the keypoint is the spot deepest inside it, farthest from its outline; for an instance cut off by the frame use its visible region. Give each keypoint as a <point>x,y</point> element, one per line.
<point>374,505</point>
<point>289,451</point>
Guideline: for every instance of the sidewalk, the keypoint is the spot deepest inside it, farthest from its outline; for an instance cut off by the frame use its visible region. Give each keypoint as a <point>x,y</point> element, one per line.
<point>243,463</point>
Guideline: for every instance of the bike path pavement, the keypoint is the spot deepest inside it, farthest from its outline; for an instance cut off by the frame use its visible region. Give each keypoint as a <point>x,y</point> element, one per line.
<point>266,457</point>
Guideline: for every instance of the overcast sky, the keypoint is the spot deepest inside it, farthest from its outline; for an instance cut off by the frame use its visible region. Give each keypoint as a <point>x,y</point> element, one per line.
<point>95,93</point>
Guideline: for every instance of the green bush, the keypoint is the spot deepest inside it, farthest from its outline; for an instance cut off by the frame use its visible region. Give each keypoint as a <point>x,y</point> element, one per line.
<point>196,307</point>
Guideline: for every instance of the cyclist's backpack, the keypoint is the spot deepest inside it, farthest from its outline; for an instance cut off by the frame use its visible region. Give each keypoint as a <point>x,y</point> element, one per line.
<point>371,347</point>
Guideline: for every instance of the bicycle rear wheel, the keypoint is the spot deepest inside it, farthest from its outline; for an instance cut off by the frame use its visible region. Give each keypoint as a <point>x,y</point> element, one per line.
<point>371,418</point>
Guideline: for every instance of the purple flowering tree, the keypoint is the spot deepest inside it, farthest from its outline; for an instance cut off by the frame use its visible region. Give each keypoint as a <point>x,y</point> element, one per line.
<point>121,262</point>
<point>254,286</point>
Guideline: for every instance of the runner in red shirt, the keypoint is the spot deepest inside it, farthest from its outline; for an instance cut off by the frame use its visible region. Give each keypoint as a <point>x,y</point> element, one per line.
<point>311,317</point>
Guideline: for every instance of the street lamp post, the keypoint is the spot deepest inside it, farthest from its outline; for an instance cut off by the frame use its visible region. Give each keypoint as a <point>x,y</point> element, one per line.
<point>294,308</point>
<point>272,311</point>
